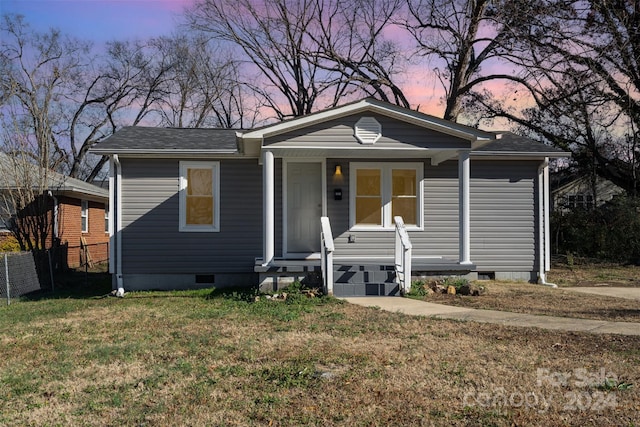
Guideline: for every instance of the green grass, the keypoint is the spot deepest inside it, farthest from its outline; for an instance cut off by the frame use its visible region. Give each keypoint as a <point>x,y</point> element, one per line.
<point>221,357</point>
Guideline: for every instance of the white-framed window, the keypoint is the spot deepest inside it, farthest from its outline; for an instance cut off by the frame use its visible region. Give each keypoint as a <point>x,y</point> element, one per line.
<point>380,191</point>
<point>106,218</point>
<point>199,196</point>
<point>84,216</point>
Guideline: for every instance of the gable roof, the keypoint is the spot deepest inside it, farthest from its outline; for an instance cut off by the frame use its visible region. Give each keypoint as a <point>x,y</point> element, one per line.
<point>376,106</point>
<point>147,140</point>
<point>56,182</point>
<point>154,141</point>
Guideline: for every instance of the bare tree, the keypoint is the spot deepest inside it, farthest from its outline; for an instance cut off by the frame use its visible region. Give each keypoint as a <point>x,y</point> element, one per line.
<point>57,91</point>
<point>37,70</point>
<point>24,205</point>
<point>128,86</point>
<point>353,47</point>
<point>584,57</point>
<point>203,89</point>
<point>309,54</point>
<point>468,43</point>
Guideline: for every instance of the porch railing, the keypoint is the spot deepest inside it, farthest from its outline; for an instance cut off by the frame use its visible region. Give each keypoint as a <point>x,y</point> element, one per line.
<point>402,256</point>
<point>326,255</point>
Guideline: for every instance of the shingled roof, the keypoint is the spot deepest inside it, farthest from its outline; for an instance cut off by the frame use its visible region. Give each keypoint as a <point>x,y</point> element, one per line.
<point>510,143</point>
<point>56,182</point>
<point>149,139</point>
<point>168,141</point>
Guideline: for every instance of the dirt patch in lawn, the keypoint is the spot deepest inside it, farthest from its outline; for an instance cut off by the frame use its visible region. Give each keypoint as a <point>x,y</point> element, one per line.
<point>537,299</point>
<point>595,275</point>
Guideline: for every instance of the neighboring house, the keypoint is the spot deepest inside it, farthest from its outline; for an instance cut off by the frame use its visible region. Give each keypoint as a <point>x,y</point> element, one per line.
<point>202,207</point>
<point>76,209</point>
<point>580,193</point>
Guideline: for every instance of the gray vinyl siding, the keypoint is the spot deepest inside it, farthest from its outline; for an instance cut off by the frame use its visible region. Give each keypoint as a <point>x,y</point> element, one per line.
<point>503,207</point>
<point>504,215</point>
<point>340,133</point>
<point>440,235</point>
<point>151,240</point>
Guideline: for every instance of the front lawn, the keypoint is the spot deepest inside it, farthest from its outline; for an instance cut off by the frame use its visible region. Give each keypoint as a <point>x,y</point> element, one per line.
<point>201,358</point>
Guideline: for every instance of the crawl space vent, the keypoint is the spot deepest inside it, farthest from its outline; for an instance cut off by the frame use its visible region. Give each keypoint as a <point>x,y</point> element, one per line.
<point>368,130</point>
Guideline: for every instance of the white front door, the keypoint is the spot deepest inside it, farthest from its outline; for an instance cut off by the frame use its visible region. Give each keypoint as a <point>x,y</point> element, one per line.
<point>303,207</point>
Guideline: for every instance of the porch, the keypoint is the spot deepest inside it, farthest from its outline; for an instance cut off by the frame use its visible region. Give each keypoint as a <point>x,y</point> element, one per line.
<point>354,276</point>
<point>357,276</point>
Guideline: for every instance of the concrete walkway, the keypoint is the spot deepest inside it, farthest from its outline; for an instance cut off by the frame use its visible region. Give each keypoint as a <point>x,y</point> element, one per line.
<point>440,311</point>
<point>609,291</point>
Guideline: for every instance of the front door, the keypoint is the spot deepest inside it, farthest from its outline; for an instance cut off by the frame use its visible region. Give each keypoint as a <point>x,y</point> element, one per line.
<point>304,208</point>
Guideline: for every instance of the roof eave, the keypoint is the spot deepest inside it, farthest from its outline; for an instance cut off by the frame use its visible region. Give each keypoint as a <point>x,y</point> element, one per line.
<point>164,151</point>
<point>519,154</point>
<point>75,192</point>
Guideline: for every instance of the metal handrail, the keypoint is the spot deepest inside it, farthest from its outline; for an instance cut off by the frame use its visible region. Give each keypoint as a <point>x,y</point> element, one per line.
<point>326,255</point>
<point>403,252</point>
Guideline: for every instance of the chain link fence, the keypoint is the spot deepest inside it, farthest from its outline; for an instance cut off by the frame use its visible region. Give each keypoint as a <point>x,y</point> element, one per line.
<point>18,275</point>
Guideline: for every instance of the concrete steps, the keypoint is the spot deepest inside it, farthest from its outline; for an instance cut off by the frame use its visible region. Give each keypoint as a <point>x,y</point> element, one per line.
<point>362,279</point>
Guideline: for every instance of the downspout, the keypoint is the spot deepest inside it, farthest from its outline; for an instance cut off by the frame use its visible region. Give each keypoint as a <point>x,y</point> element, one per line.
<point>55,214</point>
<point>543,224</point>
<point>54,238</point>
<point>115,192</point>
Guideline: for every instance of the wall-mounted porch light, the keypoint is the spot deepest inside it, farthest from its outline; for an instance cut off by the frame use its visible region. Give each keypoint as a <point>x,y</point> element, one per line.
<point>338,170</point>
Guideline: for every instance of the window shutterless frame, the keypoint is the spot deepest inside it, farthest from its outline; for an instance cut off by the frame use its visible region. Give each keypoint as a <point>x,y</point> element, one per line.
<point>84,216</point>
<point>368,197</point>
<point>199,196</point>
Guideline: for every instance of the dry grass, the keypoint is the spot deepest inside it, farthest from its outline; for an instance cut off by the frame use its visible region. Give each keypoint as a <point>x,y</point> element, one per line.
<point>161,359</point>
<point>595,275</point>
<point>536,299</point>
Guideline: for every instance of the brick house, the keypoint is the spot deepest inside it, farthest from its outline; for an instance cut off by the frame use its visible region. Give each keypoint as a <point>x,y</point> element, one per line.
<point>78,213</point>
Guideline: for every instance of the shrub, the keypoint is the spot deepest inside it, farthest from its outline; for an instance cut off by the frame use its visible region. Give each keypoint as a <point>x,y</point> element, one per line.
<point>418,289</point>
<point>456,282</point>
<point>610,232</point>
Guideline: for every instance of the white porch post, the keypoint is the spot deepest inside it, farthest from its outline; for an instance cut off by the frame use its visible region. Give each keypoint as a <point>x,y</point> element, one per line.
<point>547,233</point>
<point>463,208</point>
<point>269,203</point>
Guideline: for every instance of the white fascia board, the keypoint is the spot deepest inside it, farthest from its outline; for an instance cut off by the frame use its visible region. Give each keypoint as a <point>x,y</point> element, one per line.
<point>163,151</point>
<point>410,116</point>
<point>80,193</point>
<point>515,155</point>
<point>305,121</point>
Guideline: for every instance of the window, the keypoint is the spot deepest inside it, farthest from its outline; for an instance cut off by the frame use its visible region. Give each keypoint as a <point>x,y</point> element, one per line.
<point>368,196</point>
<point>84,215</point>
<point>584,201</point>
<point>404,195</point>
<point>199,196</point>
<point>106,218</point>
<point>380,191</point>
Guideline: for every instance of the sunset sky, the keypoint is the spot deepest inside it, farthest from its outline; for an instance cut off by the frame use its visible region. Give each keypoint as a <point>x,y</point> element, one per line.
<point>100,20</point>
<point>105,20</point>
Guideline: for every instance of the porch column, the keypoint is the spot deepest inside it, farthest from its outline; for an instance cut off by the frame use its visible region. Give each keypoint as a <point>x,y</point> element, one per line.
<point>463,208</point>
<point>268,203</point>
<point>547,228</point>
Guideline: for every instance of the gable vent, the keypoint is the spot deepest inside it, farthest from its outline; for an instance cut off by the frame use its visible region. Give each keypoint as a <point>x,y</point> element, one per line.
<point>368,130</point>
